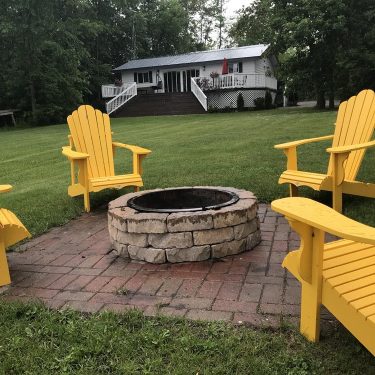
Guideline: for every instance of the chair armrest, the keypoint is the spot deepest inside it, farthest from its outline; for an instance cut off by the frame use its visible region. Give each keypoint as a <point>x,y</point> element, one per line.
<point>135,149</point>
<point>70,154</point>
<point>5,188</point>
<point>345,149</point>
<point>139,154</point>
<point>324,218</point>
<point>282,146</point>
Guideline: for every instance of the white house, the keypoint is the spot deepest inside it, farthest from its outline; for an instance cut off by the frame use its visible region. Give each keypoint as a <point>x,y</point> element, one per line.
<point>215,77</point>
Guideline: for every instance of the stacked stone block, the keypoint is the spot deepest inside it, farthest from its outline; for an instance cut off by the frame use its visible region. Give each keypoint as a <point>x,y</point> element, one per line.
<point>184,236</point>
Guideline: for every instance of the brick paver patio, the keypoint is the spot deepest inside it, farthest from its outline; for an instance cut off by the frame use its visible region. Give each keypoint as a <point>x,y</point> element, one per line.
<point>73,266</point>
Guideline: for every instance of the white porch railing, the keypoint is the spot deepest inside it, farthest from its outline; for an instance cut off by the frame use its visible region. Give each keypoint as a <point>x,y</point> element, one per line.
<point>237,80</point>
<point>121,98</point>
<point>110,91</point>
<point>199,94</point>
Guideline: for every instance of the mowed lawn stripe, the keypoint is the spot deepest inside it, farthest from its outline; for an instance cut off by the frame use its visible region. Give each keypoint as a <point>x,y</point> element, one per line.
<point>229,149</point>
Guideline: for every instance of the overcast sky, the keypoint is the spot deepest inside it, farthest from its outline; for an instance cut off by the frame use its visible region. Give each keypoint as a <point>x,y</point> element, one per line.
<point>233,5</point>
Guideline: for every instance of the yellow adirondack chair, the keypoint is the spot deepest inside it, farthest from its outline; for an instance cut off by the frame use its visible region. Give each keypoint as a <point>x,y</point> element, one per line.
<point>354,129</point>
<point>339,275</point>
<point>91,150</point>
<point>11,232</point>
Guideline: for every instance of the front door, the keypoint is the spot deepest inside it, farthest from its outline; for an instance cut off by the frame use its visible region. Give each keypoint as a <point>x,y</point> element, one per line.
<point>172,81</point>
<point>187,76</point>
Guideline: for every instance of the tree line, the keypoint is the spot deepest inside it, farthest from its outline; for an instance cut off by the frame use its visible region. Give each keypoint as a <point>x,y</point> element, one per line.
<point>56,54</point>
<point>325,48</point>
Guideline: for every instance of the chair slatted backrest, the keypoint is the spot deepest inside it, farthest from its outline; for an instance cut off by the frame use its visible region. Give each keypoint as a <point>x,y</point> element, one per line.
<point>355,124</point>
<point>91,133</point>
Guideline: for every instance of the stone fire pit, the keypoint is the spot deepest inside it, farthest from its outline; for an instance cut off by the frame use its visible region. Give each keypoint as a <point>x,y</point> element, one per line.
<point>183,224</point>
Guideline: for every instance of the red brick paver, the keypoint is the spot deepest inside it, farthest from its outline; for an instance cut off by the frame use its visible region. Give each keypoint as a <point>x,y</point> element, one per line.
<point>74,267</point>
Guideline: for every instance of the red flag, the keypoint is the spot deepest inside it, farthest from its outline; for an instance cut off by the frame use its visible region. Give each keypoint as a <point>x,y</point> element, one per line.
<point>225,66</point>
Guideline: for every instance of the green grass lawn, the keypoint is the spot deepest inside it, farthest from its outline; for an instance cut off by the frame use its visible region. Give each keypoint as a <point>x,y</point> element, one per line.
<point>217,149</point>
<point>232,149</point>
<point>35,340</point>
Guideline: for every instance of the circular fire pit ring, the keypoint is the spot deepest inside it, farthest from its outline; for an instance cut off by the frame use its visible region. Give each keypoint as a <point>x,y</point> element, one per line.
<point>183,224</point>
<point>183,200</point>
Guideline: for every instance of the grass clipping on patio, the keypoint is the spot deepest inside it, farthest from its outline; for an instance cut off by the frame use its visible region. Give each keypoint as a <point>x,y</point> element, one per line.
<point>35,340</point>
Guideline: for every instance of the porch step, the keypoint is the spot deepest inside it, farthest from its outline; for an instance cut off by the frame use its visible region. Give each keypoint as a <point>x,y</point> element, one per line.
<point>160,104</point>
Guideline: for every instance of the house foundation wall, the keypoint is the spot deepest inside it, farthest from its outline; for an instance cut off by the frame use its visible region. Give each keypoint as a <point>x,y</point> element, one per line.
<point>221,99</point>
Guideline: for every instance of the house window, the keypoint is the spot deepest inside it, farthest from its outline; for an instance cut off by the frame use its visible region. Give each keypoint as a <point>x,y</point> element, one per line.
<point>143,77</point>
<point>235,67</point>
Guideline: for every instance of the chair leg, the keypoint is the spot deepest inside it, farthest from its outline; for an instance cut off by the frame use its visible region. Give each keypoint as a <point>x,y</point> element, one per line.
<point>338,177</point>
<point>337,200</point>
<point>86,200</point>
<point>4,269</point>
<point>310,312</point>
<point>293,190</point>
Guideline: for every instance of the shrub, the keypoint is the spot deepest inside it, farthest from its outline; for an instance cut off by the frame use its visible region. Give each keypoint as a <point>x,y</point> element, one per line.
<point>240,102</point>
<point>220,110</point>
<point>268,100</point>
<point>259,103</point>
<point>292,99</point>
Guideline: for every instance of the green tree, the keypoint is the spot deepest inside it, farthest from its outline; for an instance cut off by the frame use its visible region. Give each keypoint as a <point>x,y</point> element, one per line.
<point>167,27</point>
<point>220,18</point>
<point>206,15</point>
<point>253,24</point>
<point>323,46</point>
<point>41,71</point>
<point>56,54</point>
<point>356,58</point>
<point>309,36</point>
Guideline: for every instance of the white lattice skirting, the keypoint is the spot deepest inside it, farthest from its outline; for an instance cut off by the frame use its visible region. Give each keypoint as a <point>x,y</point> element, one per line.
<point>221,99</point>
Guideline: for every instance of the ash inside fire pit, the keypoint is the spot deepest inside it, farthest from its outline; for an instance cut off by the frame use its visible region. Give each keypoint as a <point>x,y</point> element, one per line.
<point>182,200</point>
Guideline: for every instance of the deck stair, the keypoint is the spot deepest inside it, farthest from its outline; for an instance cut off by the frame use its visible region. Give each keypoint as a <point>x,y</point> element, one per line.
<point>121,98</point>
<point>160,104</point>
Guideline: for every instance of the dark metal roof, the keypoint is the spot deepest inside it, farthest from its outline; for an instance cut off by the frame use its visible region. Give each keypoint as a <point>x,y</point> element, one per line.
<point>196,57</point>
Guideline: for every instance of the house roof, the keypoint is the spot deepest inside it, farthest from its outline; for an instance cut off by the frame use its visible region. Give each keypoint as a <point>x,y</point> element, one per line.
<point>196,57</point>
